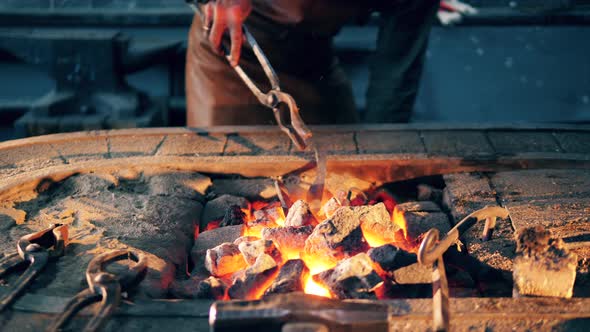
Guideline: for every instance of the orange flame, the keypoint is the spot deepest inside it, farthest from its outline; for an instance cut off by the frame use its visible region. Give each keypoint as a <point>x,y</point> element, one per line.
<point>373,239</point>
<point>252,231</point>
<point>259,205</point>
<point>313,288</point>
<point>276,220</point>
<point>280,222</point>
<point>315,266</point>
<point>290,254</point>
<point>281,219</point>
<point>248,213</point>
<point>399,219</point>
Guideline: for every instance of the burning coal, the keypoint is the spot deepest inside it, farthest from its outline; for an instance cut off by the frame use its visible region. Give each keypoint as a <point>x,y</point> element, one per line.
<point>337,252</point>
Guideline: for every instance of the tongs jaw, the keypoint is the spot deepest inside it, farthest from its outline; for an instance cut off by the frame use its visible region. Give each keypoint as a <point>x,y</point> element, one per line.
<point>36,249</point>
<point>274,98</point>
<point>297,131</point>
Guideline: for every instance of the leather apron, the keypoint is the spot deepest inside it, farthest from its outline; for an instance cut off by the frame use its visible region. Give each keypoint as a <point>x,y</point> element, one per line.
<point>301,56</point>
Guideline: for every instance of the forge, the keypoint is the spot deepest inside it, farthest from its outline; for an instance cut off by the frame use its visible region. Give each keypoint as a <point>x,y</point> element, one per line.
<point>237,235</point>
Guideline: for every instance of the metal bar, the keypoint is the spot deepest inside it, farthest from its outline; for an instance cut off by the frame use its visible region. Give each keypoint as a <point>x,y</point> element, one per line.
<point>263,60</point>
<point>440,297</point>
<point>400,309</point>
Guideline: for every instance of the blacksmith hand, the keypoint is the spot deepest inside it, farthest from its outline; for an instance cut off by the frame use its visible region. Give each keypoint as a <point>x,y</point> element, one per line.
<point>452,11</point>
<point>223,16</point>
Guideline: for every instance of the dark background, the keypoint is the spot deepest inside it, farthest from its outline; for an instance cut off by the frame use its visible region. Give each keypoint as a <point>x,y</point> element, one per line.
<point>518,61</point>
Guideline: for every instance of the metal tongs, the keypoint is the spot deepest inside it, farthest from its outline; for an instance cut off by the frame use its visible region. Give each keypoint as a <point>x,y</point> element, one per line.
<point>104,287</point>
<point>274,98</point>
<point>431,252</point>
<point>36,249</point>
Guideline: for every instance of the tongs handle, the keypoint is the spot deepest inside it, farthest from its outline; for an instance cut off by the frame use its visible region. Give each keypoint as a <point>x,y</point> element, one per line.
<point>104,287</point>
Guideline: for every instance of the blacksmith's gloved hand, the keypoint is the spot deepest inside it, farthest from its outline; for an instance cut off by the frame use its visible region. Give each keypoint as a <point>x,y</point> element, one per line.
<point>227,15</point>
<point>452,11</point>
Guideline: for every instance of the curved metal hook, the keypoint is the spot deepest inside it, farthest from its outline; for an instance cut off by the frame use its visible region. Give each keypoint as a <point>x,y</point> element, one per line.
<point>36,249</point>
<point>431,252</point>
<point>431,249</point>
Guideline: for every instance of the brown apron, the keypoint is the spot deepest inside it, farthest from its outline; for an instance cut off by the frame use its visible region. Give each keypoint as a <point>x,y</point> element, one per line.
<point>303,60</point>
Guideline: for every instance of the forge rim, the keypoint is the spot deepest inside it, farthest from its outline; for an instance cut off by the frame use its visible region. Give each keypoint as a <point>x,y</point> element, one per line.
<point>57,156</point>
<point>385,167</point>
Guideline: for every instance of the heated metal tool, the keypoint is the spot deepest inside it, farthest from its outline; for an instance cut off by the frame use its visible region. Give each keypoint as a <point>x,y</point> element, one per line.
<point>103,286</point>
<point>278,312</point>
<point>274,98</point>
<point>431,253</point>
<point>35,249</point>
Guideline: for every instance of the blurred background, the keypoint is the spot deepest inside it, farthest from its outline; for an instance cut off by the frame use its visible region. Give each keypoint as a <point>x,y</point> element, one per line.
<point>63,63</point>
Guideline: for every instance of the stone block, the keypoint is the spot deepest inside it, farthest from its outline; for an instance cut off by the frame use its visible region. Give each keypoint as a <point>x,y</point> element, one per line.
<point>515,142</point>
<point>398,142</point>
<point>193,144</point>
<point>457,143</point>
<point>574,142</point>
<point>543,266</point>
<point>257,144</point>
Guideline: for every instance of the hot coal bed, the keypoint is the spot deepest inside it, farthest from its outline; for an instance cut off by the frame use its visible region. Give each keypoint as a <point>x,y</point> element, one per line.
<point>229,238</point>
<point>486,250</point>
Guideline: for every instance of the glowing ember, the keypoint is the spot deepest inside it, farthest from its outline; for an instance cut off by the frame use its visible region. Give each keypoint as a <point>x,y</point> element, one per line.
<point>248,213</point>
<point>252,231</point>
<point>315,265</point>
<point>377,225</point>
<point>384,198</point>
<point>281,221</point>
<point>290,254</point>
<point>213,225</point>
<point>398,219</point>
<point>313,288</point>
<point>373,239</point>
<point>376,214</point>
<point>259,205</point>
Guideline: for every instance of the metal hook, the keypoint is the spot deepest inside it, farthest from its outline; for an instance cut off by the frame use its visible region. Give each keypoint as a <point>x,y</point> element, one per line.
<point>103,286</point>
<point>431,252</point>
<point>36,249</point>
